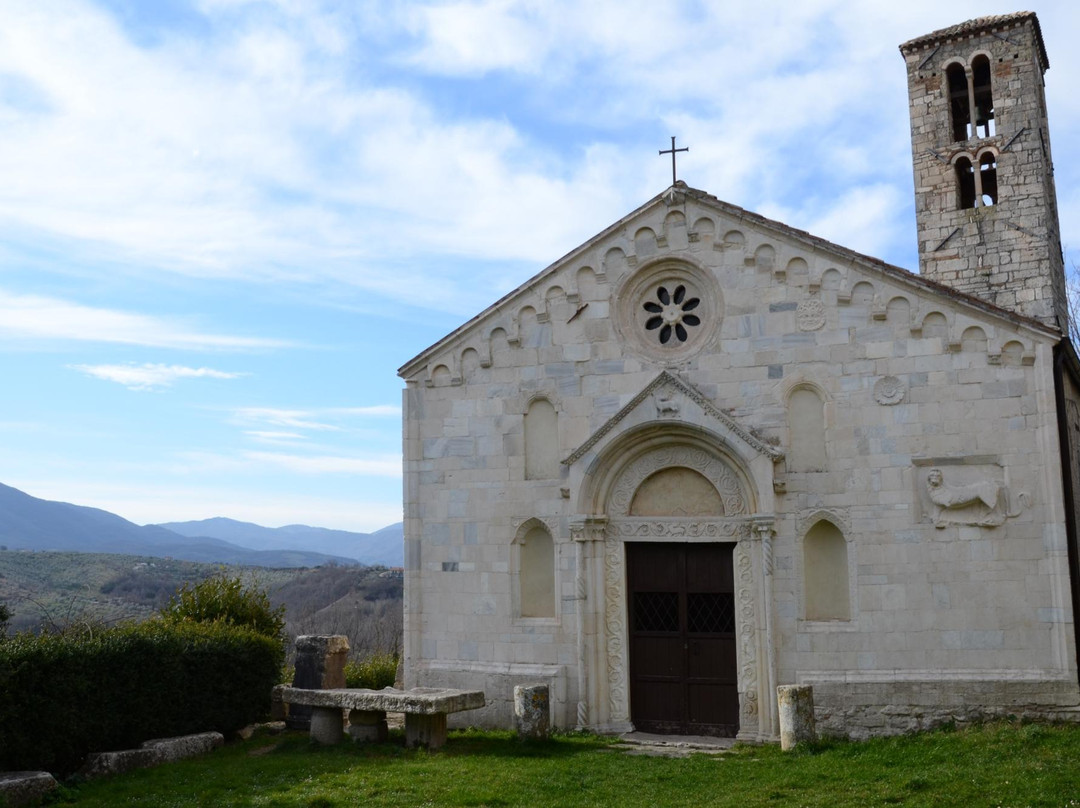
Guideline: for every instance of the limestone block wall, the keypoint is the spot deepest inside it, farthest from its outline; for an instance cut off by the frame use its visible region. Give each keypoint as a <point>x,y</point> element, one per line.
<point>951,607</point>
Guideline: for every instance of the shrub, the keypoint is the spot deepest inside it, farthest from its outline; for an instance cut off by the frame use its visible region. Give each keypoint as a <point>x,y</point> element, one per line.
<point>375,672</point>
<point>63,696</point>
<point>226,600</point>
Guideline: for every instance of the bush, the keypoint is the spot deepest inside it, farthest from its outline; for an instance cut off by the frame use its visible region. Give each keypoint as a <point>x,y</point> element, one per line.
<point>226,600</point>
<point>375,672</point>
<point>63,696</point>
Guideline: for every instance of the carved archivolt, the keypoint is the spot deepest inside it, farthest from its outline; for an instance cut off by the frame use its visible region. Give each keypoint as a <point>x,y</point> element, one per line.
<point>712,468</point>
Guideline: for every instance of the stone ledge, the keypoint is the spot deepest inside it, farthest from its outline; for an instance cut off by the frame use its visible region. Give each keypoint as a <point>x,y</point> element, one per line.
<point>19,788</point>
<point>418,701</point>
<point>151,753</point>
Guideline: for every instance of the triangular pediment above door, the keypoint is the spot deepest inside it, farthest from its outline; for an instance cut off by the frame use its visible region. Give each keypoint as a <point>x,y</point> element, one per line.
<point>668,398</point>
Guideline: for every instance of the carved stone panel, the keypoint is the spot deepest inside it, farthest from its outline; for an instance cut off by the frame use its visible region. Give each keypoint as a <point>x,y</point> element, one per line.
<point>889,390</point>
<point>810,314</point>
<point>966,491</point>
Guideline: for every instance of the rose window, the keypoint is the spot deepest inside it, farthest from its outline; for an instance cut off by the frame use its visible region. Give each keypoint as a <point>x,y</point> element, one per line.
<point>670,313</point>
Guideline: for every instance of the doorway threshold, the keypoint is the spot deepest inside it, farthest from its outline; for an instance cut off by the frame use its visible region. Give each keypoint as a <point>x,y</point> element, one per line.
<point>654,744</point>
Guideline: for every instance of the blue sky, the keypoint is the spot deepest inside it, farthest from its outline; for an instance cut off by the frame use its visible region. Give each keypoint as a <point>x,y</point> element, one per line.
<point>224,224</point>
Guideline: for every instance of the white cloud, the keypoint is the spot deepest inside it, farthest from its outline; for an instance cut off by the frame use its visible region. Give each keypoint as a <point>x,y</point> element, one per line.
<point>267,436</point>
<point>387,466</point>
<point>150,376</point>
<point>378,409</point>
<point>274,416</point>
<point>33,317</point>
<point>314,419</point>
<point>302,142</point>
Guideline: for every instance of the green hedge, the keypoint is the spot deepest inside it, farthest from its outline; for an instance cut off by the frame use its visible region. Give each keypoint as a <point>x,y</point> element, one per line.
<point>375,672</point>
<point>64,696</point>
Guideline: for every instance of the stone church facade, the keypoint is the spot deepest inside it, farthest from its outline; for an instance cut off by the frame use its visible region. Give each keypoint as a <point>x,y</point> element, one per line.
<point>706,454</point>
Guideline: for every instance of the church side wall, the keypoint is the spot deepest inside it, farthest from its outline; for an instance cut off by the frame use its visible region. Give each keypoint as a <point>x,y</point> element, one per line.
<point>941,470</point>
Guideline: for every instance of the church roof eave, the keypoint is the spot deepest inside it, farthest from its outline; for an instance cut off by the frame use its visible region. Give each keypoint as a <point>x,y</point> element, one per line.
<point>971,27</point>
<point>866,262</point>
<point>417,362</point>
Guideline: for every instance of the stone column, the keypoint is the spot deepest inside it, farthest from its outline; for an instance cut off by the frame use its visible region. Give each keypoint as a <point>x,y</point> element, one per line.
<point>764,528</point>
<point>532,712</point>
<point>587,533</point>
<point>320,665</point>
<point>796,706</point>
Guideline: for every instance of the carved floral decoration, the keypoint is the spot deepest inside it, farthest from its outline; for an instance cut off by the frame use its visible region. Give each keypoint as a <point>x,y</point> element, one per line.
<point>671,314</point>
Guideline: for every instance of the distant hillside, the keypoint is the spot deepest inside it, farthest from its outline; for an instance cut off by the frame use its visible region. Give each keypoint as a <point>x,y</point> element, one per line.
<point>384,547</point>
<point>29,523</point>
<point>53,590</point>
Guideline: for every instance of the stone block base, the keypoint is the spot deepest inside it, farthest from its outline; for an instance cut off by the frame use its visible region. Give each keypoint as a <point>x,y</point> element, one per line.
<point>532,711</point>
<point>860,710</point>
<point>151,753</point>
<point>796,706</point>
<point>327,725</point>
<point>20,788</point>
<point>425,730</point>
<point>367,725</point>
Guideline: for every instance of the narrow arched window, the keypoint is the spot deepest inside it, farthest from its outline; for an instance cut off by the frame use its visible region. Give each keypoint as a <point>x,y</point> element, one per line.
<point>988,179</point>
<point>536,574</point>
<point>541,441</point>
<point>806,421</point>
<point>959,109</point>
<point>965,178</point>
<point>984,97</point>
<point>825,573</point>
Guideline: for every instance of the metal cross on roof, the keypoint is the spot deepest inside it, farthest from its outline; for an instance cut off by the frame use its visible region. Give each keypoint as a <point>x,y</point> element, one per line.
<point>672,151</point>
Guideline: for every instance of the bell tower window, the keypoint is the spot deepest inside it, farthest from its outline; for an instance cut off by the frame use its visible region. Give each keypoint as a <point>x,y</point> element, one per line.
<point>988,179</point>
<point>959,109</point>
<point>984,98</point>
<point>965,177</point>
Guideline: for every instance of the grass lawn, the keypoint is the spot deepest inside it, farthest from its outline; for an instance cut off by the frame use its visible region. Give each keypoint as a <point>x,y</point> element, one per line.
<point>992,765</point>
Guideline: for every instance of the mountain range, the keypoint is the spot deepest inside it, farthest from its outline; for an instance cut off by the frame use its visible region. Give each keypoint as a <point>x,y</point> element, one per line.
<point>29,523</point>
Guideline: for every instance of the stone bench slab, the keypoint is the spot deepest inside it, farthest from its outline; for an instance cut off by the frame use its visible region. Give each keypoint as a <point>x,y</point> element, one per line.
<point>418,701</point>
<point>425,711</point>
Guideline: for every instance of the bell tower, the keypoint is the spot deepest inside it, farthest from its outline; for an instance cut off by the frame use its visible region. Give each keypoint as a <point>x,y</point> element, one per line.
<point>985,205</point>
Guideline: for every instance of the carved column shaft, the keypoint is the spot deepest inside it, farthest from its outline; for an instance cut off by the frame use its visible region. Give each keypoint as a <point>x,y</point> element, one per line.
<point>764,530</point>
<point>587,535</point>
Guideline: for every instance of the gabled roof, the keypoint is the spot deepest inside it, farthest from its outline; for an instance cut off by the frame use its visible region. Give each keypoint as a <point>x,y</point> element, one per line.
<point>668,379</point>
<point>978,26</point>
<point>778,229</point>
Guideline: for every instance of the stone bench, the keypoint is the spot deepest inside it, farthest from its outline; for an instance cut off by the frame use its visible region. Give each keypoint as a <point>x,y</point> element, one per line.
<point>425,710</point>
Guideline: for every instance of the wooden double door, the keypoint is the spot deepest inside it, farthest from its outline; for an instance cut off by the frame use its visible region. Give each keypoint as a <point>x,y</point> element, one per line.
<point>683,671</point>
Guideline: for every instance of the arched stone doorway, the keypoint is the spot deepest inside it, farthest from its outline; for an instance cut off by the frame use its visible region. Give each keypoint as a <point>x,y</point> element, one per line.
<point>676,503</point>
<point>681,614</point>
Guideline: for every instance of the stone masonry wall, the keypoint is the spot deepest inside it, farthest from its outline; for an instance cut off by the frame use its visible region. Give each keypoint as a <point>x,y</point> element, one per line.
<point>1008,253</point>
<point>911,380</point>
